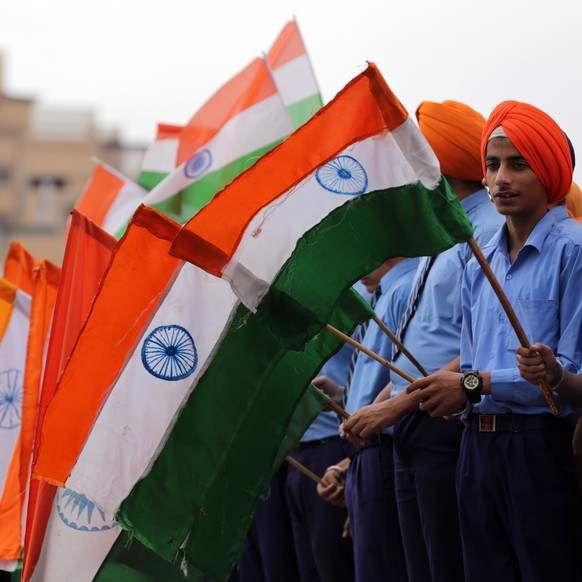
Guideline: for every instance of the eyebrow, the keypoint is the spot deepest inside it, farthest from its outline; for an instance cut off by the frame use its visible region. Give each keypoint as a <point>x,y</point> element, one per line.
<point>510,158</point>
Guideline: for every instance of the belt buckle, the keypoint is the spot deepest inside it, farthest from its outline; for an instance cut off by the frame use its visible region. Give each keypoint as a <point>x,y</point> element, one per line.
<point>486,423</point>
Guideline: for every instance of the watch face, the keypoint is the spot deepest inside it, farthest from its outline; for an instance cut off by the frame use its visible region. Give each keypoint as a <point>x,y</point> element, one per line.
<point>471,382</point>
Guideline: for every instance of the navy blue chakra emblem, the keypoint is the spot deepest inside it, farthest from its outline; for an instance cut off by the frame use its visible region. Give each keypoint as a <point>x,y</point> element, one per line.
<point>169,353</point>
<point>10,398</point>
<point>343,175</point>
<point>198,164</point>
<point>77,512</point>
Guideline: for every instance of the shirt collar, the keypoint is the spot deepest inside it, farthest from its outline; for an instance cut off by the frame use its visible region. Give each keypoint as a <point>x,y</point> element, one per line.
<point>560,212</point>
<point>536,238</point>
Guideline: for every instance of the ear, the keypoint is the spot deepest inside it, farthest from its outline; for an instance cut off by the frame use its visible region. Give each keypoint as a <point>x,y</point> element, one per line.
<point>484,182</point>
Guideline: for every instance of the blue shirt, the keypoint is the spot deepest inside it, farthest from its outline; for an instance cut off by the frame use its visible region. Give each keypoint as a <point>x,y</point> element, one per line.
<point>370,377</point>
<point>544,286</point>
<point>336,368</point>
<point>433,334</point>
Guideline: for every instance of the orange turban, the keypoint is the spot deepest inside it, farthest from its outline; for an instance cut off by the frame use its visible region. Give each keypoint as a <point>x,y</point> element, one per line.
<point>574,201</point>
<point>539,139</point>
<point>453,131</point>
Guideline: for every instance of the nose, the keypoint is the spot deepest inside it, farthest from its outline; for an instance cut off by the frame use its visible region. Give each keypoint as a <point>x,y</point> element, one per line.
<point>503,176</point>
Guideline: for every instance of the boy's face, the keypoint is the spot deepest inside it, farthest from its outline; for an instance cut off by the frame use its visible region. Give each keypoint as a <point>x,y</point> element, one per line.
<point>513,186</point>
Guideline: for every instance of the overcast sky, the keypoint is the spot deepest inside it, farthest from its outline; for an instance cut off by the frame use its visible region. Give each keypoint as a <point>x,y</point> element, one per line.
<point>139,62</point>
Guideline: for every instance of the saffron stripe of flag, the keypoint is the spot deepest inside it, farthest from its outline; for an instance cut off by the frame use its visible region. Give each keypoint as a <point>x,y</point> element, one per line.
<point>294,75</point>
<point>109,197</point>
<point>134,283</point>
<point>65,537</point>
<point>18,267</point>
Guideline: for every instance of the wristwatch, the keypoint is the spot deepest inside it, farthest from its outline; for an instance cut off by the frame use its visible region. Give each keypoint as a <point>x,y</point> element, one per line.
<point>472,384</point>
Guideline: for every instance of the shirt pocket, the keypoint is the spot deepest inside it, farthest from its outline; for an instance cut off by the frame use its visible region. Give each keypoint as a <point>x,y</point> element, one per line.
<point>540,321</point>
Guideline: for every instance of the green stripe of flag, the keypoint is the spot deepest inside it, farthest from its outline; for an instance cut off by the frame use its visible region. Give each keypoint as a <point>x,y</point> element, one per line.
<point>303,110</point>
<point>351,241</point>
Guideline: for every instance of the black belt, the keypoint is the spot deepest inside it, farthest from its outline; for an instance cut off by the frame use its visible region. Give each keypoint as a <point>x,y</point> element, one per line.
<point>309,444</point>
<point>514,422</point>
<point>380,439</point>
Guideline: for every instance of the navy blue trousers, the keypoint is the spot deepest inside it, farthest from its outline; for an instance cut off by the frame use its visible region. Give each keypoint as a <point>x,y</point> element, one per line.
<point>518,506</point>
<point>322,554</point>
<point>426,451</point>
<point>371,503</point>
<point>269,554</point>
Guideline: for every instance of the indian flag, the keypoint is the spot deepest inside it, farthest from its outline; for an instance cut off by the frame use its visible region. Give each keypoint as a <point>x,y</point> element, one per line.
<point>109,198</point>
<point>14,325</point>
<point>294,75</point>
<point>239,123</point>
<point>14,495</point>
<point>359,158</point>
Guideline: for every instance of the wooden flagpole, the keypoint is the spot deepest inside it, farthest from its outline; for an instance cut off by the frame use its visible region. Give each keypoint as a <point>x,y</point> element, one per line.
<point>368,352</point>
<point>511,316</point>
<point>400,345</point>
<point>306,471</point>
<point>338,409</point>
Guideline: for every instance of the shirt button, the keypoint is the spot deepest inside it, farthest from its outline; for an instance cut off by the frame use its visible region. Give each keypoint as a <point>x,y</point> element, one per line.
<point>508,277</point>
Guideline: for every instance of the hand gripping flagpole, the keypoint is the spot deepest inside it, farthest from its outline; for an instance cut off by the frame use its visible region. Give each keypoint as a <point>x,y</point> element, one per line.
<point>511,316</point>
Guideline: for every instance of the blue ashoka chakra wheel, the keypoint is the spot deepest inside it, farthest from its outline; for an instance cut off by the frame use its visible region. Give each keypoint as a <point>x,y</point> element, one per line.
<point>169,353</point>
<point>343,175</point>
<point>77,512</point>
<point>198,164</point>
<point>10,398</point>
